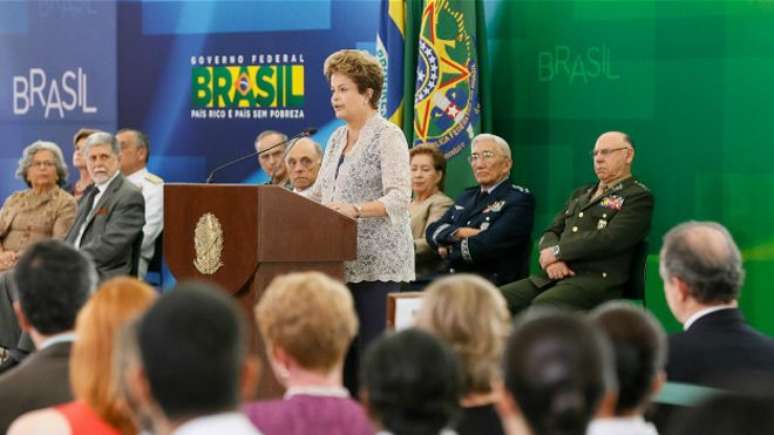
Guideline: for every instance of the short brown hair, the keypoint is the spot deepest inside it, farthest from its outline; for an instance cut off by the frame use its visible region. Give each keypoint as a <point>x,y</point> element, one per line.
<point>471,315</point>
<point>439,161</point>
<point>82,133</point>
<point>310,316</point>
<point>361,67</point>
<point>118,301</point>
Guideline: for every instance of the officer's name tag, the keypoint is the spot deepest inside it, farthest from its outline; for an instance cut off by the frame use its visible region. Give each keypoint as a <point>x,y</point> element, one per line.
<point>484,226</point>
<point>601,224</point>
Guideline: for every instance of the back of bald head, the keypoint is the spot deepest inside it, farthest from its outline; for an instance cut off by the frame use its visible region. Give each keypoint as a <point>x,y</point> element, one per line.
<point>705,257</point>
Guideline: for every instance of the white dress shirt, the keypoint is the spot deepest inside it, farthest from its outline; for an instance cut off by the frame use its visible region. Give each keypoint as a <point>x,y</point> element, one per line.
<point>621,426</point>
<point>101,187</point>
<point>152,188</point>
<point>228,423</point>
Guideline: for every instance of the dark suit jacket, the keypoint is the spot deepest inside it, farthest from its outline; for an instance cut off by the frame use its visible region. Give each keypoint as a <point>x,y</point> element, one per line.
<point>718,345</point>
<point>113,228</point>
<point>597,238</point>
<point>42,380</point>
<point>505,219</point>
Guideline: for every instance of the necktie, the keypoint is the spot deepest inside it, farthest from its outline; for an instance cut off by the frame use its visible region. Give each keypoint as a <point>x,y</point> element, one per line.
<point>483,197</point>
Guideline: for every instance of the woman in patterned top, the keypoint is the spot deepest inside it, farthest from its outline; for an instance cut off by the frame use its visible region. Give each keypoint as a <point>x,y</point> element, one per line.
<point>365,175</point>
<point>42,211</point>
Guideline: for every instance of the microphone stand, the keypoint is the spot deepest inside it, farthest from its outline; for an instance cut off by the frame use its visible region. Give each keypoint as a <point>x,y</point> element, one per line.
<point>306,133</point>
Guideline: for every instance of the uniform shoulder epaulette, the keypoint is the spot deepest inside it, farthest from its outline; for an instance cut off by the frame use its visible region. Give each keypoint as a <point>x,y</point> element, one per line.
<point>520,188</point>
<point>637,182</point>
<point>152,178</point>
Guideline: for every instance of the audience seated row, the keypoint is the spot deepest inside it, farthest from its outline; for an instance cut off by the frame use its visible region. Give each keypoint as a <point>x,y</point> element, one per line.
<point>180,364</point>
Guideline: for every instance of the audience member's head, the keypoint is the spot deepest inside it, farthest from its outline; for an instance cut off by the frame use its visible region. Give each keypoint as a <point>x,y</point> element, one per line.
<point>127,363</point>
<point>193,347</point>
<point>307,321</point>
<point>490,159</point>
<point>79,142</point>
<point>303,160</point>
<point>53,281</point>
<point>428,169</point>
<point>102,156</point>
<point>411,383</point>
<point>116,302</point>
<point>470,314</point>
<point>557,369</point>
<point>272,154</point>
<point>701,266</point>
<point>42,165</point>
<point>639,349</point>
<point>613,155</point>
<point>135,150</point>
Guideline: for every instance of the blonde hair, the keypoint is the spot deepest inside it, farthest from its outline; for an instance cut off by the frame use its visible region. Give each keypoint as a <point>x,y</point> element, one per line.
<point>471,315</point>
<point>92,372</point>
<point>310,316</point>
<point>361,67</point>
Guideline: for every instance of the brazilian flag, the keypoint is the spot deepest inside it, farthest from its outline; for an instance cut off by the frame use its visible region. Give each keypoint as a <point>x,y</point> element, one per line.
<point>390,43</point>
<point>448,110</point>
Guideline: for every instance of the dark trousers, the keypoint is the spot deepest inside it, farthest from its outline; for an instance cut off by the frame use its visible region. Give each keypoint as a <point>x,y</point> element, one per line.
<point>370,299</point>
<point>9,325</point>
<point>523,293</point>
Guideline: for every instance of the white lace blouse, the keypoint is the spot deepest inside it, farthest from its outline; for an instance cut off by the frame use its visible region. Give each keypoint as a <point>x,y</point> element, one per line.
<point>377,168</point>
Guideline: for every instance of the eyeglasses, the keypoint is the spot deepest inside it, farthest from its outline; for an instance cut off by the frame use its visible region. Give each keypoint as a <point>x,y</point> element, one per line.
<point>43,164</point>
<point>605,152</point>
<point>486,156</point>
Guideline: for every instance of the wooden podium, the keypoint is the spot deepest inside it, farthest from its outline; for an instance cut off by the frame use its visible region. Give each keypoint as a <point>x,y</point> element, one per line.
<point>250,234</point>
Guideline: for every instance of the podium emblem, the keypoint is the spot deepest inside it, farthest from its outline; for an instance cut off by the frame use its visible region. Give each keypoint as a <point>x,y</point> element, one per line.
<point>208,243</point>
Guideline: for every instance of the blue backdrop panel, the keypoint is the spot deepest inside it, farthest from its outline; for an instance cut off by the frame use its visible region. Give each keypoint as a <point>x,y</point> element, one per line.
<point>57,74</point>
<point>162,44</point>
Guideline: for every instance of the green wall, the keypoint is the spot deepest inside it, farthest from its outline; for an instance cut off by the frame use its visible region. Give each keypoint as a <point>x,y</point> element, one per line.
<point>692,82</point>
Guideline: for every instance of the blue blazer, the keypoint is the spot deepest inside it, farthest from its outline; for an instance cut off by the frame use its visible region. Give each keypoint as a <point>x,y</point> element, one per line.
<point>500,253</point>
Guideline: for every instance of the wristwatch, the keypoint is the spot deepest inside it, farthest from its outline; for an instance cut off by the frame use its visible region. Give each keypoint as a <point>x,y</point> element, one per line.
<point>358,210</point>
<point>555,251</point>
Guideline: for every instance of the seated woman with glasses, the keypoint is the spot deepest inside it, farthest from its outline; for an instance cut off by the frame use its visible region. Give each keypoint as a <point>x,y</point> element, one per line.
<point>43,210</point>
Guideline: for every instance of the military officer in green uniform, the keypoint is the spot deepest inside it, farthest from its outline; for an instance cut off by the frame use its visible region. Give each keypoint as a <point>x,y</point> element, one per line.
<point>586,253</point>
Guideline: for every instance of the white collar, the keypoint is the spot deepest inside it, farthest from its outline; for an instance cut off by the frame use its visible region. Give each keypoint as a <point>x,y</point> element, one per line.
<point>617,425</point>
<point>57,338</point>
<point>317,391</point>
<point>137,175</point>
<point>226,422</point>
<point>701,313</point>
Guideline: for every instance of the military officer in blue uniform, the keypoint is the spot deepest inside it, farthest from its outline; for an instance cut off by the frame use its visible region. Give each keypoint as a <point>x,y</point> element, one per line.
<point>487,230</point>
<point>586,254</point>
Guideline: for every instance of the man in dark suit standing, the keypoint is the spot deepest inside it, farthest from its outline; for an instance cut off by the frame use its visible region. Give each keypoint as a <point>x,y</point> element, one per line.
<point>110,217</point>
<point>702,272</point>
<point>587,252</point>
<point>52,281</point>
<point>487,230</point>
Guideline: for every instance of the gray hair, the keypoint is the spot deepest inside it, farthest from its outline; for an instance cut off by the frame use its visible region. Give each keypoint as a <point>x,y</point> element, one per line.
<point>39,145</point>
<point>283,136</point>
<point>100,138</point>
<point>497,140</point>
<point>705,257</point>
<point>317,148</point>
<point>140,138</point>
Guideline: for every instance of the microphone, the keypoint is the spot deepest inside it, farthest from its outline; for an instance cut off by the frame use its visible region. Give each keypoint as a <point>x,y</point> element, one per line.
<point>305,133</point>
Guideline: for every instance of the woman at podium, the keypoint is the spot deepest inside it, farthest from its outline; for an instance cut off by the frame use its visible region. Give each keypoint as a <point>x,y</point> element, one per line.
<point>365,175</point>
